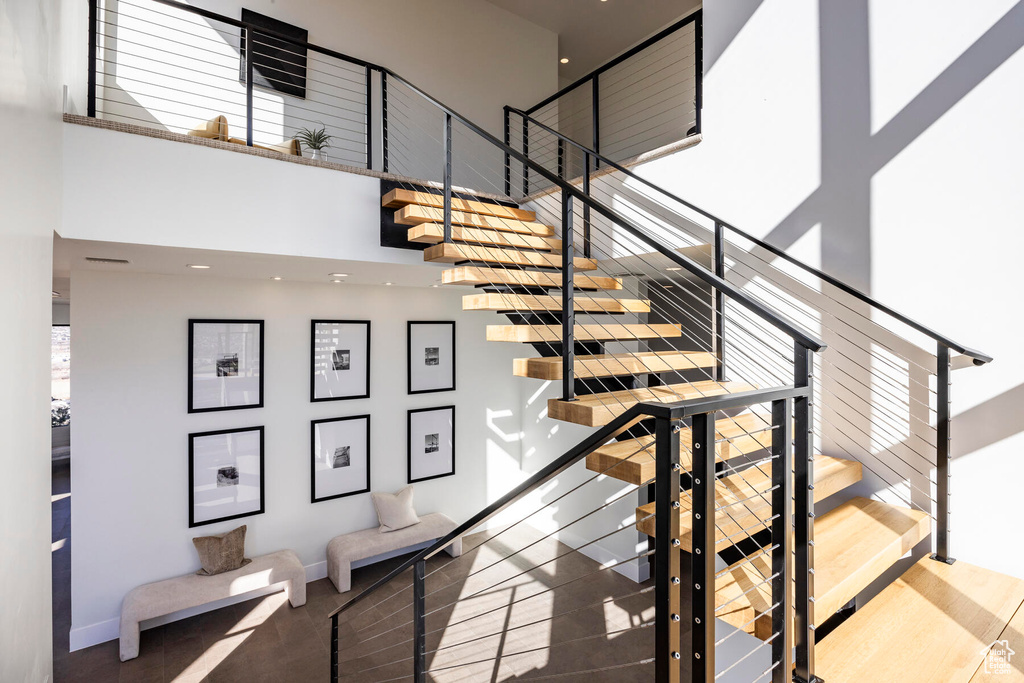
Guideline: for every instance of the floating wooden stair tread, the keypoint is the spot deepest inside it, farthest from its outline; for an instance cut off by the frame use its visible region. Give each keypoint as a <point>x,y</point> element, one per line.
<point>433,233</point>
<point>398,198</point>
<point>853,545</point>
<point>534,334</point>
<point>633,460</point>
<point>1013,635</point>
<point>456,253</point>
<point>596,410</point>
<point>475,275</point>
<point>934,623</point>
<point>612,365</point>
<point>415,215</point>
<point>526,302</point>
<point>748,497</point>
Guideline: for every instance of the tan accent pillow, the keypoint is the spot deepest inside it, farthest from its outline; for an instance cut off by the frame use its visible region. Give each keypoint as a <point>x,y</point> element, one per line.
<point>214,129</point>
<point>219,554</point>
<point>394,510</point>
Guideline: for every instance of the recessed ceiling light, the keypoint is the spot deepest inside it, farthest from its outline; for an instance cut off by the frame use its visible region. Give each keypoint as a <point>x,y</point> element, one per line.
<point>435,285</point>
<point>57,294</point>
<point>673,268</point>
<point>276,278</point>
<point>564,60</point>
<point>337,281</point>
<point>389,283</point>
<point>197,266</point>
<point>338,274</point>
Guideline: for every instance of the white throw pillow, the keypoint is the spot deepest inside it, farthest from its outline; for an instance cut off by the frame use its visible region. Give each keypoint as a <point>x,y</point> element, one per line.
<point>394,510</point>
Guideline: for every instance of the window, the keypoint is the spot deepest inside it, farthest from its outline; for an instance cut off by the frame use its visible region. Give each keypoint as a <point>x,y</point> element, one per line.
<point>60,376</point>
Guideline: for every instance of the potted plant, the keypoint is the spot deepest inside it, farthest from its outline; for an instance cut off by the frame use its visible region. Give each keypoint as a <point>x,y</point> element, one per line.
<point>315,139</point>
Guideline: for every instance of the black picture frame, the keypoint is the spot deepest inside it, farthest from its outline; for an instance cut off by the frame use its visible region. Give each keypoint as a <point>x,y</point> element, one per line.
<point>192,523</point>
<point>278,65</point>
<point>313,360</point>
<point>313,457</point>
<point>409,357</point>
<point>191,361</point>
<point>409,448</point>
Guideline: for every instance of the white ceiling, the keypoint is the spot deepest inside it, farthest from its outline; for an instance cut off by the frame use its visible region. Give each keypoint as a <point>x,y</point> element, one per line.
<point>591,32</point>
<point>70,255</point>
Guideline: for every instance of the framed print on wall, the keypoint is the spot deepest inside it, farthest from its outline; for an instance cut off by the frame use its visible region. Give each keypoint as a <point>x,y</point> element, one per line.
<point>225,362</point>
<point>340,356</point>
<point>431,360</point>
<point>340,457</point>
<point>431,434</point>
<point>225,475</point>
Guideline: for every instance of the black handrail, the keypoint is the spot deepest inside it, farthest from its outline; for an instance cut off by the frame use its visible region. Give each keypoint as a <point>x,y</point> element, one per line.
<point>776,320</point>
<point>979,357</point>
<point>689,19</point>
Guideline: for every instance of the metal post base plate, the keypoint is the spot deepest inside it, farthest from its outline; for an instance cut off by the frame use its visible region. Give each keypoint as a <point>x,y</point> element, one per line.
<point>947,560</point>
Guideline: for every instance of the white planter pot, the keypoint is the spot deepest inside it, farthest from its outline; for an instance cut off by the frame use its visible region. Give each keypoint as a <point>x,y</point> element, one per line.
<point>319,155</point>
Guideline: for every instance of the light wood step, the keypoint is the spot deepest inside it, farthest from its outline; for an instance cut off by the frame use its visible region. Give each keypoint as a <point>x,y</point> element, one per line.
<point>596,410</point>
<point>748,497</point>
<point>536,334</point>
<point>399,197</point>
<point>528,302</point>
<point>633,460</point>
<point>854,544</point>
<point>934,623</point>
<point>415,214</point>
<point>476,275</point>
<point>1012,638</point>
<point>613,365</point>
<point>433,233</point>
<point>455,253</point>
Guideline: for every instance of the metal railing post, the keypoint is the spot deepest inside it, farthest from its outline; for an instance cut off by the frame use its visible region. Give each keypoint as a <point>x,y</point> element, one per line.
<point>703,539</point>
<point>596,122</point>
<point>335,673</point>
<point>384,121</point>
<point>586,207</point>
<point>91,95</point>
<point>719,329</point>
<point>447,178</point>
<point>508,158</point>
<point>369,119</point>
<point>249,49</point>
<point>568,303</point>
<point>782,515</point>
<point>667,556</point>
<point>561,159</point>
<point>803,514</point>
<point>526,153</point>
<point>419,622</point>
<point>942,454</point>
<point>698,67</point>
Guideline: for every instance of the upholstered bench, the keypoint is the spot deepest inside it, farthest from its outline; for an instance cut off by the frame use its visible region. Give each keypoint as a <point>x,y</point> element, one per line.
<point>343,550</point>
<point>184,592</point>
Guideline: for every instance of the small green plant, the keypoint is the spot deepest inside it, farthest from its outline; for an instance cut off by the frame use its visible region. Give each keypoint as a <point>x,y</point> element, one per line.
<point>316,138</point>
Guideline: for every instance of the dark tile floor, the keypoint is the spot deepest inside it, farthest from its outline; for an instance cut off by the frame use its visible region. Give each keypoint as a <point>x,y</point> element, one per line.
<point>489,619</point>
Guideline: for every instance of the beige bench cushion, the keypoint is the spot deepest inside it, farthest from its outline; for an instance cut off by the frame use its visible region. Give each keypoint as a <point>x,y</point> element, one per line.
<point>214,129</point>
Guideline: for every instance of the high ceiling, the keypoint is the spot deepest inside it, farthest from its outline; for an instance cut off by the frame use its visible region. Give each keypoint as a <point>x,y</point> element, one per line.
<point>590,32</point>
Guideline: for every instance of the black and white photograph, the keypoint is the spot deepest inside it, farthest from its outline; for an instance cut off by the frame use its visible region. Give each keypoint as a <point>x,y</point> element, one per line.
<point>431,356</point>
<point>225,475</point>
<point>342,359</point>
<point>225,359</point>
<point>339,360</point>
<point>431,443</point>
<point>339,457</point>
<point>342,457</point>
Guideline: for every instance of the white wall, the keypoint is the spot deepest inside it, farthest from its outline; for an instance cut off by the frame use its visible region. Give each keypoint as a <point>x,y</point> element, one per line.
<point>887,137</point>
<point>30,97</point>
<point>129,473</point>
<point>203,198</point>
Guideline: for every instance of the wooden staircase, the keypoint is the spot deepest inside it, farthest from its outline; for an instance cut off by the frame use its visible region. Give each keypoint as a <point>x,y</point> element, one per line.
<point>511,256</point>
